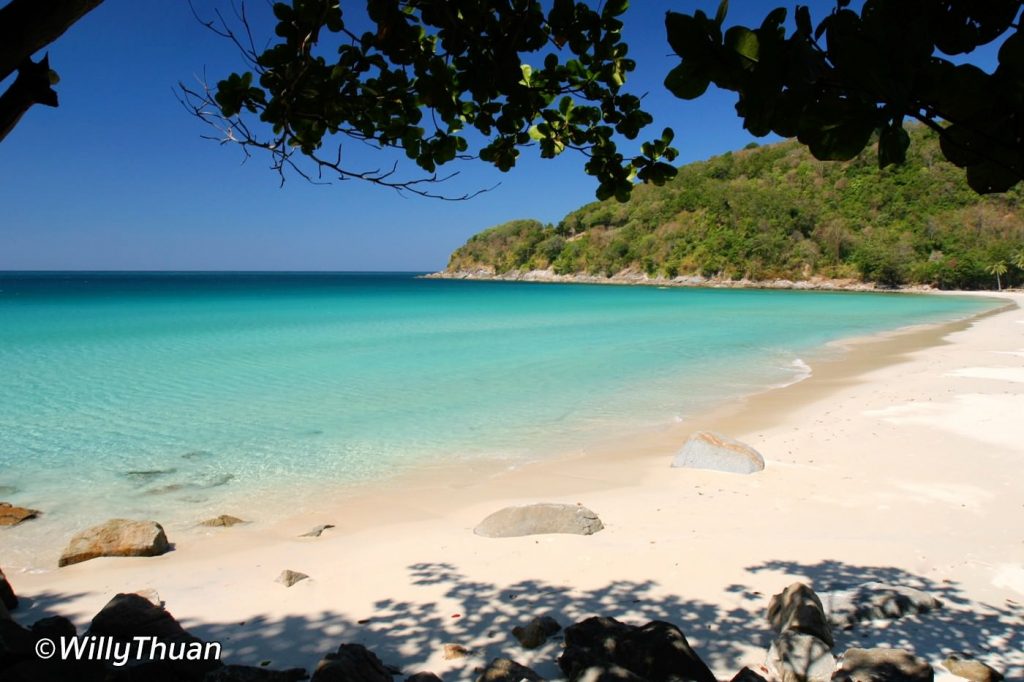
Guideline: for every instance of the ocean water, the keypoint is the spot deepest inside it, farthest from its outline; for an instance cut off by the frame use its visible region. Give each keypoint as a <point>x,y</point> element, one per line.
<point>170,396</point>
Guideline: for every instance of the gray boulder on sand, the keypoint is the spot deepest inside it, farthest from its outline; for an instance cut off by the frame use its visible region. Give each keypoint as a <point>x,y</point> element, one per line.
<point>539,519</point>
<point>706,450</point>
<point>874,665</point>
<point>116,537</point>
<point>877,601</point>
<point>966,666</point>
<point>797,657</point>
<point>799,608</point>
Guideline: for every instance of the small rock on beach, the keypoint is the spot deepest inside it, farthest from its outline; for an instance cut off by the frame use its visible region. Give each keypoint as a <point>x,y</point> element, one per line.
<point>12,516</point>
<point>289,577</point>
<point>318,531</point>
<point>222,521</point>
<point>706,450</point>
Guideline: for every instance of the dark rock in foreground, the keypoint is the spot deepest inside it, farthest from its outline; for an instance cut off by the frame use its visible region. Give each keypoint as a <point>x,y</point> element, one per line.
<point>657,651</point>
<point>352,663</point>
<point>798,608</point>
<point>248,673</point>
<point>706,450</point>
<point>128,616</point>
<point>540,519</point>
<point>883,665</point>
<point>117,537</point>
<point>7,596</point>
<point>507,670</point>
<point>748,674</point>
<point>536,632</point>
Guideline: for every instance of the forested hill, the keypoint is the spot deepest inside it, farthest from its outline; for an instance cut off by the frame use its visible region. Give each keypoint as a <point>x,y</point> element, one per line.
<point>774,212</point>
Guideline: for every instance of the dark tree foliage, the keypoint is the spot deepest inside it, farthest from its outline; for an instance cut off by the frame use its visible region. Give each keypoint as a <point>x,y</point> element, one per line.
<point>441,80</point>
<point>833,85</point>
<point>27,26</point>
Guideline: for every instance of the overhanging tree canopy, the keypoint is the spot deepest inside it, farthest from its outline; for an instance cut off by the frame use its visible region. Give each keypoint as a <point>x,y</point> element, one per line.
<point>447,79</point>
<point>27,26</point>
<point>440,80</point>
<point>835,84</point>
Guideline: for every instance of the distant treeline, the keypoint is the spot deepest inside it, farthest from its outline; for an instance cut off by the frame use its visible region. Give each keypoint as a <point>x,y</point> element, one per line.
<point>771,212</point>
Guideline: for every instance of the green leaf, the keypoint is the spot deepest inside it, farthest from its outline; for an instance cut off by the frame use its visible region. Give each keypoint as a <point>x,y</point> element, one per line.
<point>803,20</point>
<point>892,145</point>
<point>613,8</point>
<point>775,18</point>
<point>743,42</point>
<point>1011,55</point>
<point>527,72</point>
<point>991,178</point>
<point>686,81</point>
<point>723,9</point>
<point>684,32</point>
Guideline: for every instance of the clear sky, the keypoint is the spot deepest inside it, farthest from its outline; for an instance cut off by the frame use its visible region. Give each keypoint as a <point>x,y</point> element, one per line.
<point>118,178</point>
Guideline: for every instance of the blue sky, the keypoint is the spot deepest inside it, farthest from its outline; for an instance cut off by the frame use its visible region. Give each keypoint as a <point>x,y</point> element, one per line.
<point>118,178</point>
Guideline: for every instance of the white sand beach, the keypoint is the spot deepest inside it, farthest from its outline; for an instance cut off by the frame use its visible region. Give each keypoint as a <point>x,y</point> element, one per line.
<point>900,460</point>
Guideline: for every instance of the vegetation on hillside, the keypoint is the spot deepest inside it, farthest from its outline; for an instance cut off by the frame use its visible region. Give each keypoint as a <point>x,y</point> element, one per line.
<point>775,212</point>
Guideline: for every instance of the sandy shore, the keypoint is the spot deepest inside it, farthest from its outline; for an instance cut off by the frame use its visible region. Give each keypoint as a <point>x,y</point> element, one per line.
<point>899,461</point>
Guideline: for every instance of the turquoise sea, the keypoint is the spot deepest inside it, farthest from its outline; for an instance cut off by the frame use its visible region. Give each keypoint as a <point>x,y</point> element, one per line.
<point>170,395</point>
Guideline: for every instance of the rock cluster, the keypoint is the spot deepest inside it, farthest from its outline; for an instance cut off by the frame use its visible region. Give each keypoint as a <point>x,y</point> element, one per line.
<point>597,649</point>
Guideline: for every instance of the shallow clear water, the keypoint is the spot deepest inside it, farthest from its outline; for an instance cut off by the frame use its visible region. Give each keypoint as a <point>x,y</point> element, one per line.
<point>164,395</point>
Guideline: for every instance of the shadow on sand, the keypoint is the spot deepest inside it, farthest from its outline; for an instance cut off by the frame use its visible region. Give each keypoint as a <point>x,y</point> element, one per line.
<point>406,633</point>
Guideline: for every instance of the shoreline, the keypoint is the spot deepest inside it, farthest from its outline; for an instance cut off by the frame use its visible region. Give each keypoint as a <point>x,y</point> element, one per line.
<point>414,542</point>
<point>631,278</point>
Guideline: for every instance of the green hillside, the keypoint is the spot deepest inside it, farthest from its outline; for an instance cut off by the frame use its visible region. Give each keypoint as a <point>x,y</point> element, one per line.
<point>775,212</point>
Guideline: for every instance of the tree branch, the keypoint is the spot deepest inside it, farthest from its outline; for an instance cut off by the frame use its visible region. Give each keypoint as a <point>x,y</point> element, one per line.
<point>32,86</point>
<point>27,26</point>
